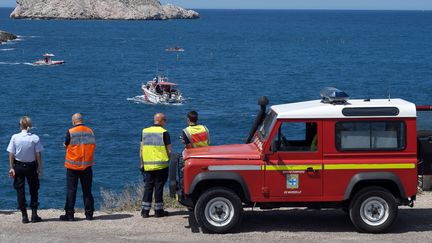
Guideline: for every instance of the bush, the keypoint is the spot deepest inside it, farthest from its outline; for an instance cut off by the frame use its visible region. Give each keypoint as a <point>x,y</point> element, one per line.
<point>130,199</point>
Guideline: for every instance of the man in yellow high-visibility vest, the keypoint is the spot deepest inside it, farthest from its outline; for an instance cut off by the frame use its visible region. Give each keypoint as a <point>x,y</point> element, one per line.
<point>155,150</point>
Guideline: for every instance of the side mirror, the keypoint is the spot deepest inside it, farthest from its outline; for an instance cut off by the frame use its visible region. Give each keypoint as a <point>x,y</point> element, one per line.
<point>274,146</point>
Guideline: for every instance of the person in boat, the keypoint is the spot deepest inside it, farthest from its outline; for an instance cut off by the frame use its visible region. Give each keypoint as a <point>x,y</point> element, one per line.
<point>46,60</point>
<point>195,135</point>
<point>158,89</point>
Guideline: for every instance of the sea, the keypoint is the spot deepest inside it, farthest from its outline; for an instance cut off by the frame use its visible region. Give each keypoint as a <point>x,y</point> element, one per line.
<point>231,58</point>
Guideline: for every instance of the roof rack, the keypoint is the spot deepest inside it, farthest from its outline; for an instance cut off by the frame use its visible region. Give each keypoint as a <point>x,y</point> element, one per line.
<point>334,96</point>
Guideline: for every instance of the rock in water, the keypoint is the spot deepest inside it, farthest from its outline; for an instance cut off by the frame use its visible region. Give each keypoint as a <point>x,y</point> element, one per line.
<point>100,9</point>
<point>5,36</point>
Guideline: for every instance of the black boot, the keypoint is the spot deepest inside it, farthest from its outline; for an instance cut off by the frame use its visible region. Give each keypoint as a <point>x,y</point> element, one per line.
<point>67,217</point>
<point>89,215</point>
<point>145,213</point>
<point>160,213</point>
<point>35,218</point>
<point>25,219</point>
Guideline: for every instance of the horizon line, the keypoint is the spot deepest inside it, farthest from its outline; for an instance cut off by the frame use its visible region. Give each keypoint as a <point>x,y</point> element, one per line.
<point>304,9</point>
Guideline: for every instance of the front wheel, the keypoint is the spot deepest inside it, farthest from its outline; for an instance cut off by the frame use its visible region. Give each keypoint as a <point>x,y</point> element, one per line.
<point>373,210</point>
<point>218,210</point>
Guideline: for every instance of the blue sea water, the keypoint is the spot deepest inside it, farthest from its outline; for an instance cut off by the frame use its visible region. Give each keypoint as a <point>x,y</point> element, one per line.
<point>232,57</point>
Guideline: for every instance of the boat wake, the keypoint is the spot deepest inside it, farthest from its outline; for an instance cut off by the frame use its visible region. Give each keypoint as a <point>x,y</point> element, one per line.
<point>28,36</point>
<point>139,99</point>
<point>17,63</point>
<point>7,49</point>
<point>10,63</point>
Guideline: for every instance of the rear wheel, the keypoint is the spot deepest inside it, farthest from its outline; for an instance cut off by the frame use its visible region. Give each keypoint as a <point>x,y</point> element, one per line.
<point>373,210</point>
<point>218,210</point>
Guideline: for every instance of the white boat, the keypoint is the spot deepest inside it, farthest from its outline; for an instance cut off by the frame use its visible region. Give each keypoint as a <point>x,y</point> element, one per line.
<point>47,60</point>
<point>175,49</point>
<point>161,91</point>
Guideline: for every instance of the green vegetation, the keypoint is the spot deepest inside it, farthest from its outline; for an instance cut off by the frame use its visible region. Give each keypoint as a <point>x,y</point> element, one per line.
<point>130,199</point>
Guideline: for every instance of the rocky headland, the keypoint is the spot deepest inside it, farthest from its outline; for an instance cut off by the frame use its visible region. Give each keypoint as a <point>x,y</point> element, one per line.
<point>5,36</point>
<point>100,9</point>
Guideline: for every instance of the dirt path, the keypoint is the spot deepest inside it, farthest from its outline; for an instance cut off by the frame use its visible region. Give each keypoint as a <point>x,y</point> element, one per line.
<point>290,225</point>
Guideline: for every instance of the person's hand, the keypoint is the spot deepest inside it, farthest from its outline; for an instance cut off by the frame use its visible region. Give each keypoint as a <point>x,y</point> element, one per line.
<point>39,173</point>
<point>12,173</point>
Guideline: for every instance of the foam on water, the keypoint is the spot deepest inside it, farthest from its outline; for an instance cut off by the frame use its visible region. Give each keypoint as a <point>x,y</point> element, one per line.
<point>28,36</point>
<point>139,99</point>
<point>10,63</point>
<point>7,49</point>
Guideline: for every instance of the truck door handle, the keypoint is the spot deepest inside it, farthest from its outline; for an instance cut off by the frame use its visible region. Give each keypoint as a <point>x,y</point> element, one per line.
<point>310,170</point>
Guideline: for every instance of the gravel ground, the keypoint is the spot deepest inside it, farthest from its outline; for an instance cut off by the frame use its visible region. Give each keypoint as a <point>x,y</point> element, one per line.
<point>289,225</point>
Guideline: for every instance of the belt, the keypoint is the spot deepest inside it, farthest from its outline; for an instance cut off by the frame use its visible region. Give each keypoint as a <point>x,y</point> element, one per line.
<point>25,164</point>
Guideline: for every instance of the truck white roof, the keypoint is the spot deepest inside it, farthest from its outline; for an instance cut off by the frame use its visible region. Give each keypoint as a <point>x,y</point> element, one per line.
<point>317,109</point>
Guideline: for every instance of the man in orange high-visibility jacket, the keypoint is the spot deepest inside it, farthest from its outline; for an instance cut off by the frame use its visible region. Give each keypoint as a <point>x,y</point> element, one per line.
<point>80,145</point>
<point>195,135</point>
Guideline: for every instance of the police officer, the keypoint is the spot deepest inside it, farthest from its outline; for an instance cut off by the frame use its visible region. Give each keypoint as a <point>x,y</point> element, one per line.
<point>195,135</point>
<point>80,144</point>
<point>25,161</point>
<point>155,150</point>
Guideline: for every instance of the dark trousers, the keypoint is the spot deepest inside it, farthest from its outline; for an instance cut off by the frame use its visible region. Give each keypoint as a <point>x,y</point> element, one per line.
<point>86,177</point>
<point>154,181</point>
<point>27,171</point>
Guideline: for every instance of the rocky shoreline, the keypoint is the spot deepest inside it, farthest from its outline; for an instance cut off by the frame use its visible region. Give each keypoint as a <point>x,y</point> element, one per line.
<point>5,36</point>
<point>100,9</point>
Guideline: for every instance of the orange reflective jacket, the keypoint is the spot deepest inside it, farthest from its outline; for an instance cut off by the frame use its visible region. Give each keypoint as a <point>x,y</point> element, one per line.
<point>198,135</point>
<point>80,151</point>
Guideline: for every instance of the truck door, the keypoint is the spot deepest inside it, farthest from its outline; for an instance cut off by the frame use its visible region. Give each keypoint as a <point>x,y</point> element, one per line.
<point>294,167</point>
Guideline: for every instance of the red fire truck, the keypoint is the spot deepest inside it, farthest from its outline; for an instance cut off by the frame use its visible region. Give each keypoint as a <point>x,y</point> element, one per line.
<point>358,155</point>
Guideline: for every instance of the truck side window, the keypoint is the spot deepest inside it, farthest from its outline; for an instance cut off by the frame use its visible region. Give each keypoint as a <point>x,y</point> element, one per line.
<point>370,135</point>
<point>297,136</point>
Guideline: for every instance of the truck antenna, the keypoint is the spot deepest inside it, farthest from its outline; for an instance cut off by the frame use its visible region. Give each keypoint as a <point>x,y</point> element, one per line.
<point>389,91</point>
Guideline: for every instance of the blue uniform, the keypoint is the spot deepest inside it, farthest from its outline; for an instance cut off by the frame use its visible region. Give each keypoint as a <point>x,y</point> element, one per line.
<point>24,146</point>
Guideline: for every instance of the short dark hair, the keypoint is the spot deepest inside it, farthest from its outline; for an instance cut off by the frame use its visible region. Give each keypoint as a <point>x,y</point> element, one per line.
<point>192,116</point>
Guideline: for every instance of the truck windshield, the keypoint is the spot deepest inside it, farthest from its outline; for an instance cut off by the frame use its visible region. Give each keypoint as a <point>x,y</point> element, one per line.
<point>265,128</point>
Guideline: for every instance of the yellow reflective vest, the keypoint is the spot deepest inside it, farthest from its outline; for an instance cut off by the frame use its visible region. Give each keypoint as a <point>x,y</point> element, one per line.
<point>198,135</point>
<point>154,153</point>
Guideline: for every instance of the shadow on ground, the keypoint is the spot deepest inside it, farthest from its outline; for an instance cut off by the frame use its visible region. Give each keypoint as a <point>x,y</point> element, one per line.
<point>305,220</point>
<point>113,216</point>
<point>99,217</point>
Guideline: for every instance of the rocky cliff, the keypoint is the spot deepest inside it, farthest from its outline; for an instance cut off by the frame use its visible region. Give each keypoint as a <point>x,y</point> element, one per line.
<point>5,36</point>
<point>100,9</point>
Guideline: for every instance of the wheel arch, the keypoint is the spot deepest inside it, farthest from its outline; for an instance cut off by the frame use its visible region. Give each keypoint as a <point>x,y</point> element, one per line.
<point>388,180</point>
<point>230,180</point>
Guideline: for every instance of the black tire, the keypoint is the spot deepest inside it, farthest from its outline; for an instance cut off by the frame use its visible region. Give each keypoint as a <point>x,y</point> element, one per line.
<point>373,210</point>
<point>172,178</point>
<point>228,216</point>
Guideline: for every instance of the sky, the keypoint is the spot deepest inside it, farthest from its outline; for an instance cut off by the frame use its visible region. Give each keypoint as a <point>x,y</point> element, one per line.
<point>292,4</point>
